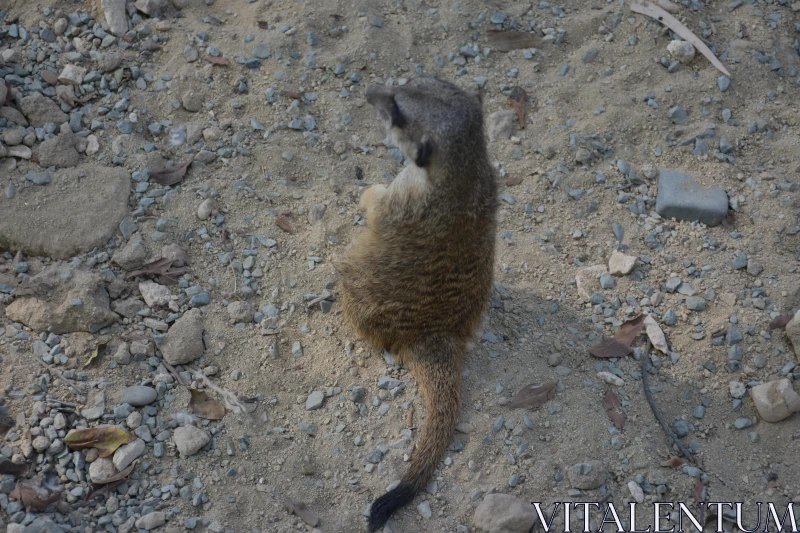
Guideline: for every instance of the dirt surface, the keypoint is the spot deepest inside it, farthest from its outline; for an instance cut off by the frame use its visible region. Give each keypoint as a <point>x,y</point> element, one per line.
<point>556,216</point>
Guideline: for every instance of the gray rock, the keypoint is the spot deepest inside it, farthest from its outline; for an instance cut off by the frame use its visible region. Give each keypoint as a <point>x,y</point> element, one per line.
<point>387,383</point>
<point>240,312</point>
<point>424,509</point>
<point>754,268</point>
<point>79,211</point>
<point>127,454</point>
<point>138,396</point>
<point>504,513</point>
<point>607,281</point>
<point>101,469</point>
<point>43,524</point>
<point>500,125</point>
<point>133,255</point>
<point>681,198</point>
<point>587,476</point>
<point>61,288</point>
<point>695,303</point>
<point>184,341</point>
<point>40,110</point>
<point>775,400</point>
<point>315,400</point>
<point>116,17</point>
<point>151,520</point>
<point>189,439</point>
<point>793,332</point>
<point>316,213</point>
<point>678,116</point>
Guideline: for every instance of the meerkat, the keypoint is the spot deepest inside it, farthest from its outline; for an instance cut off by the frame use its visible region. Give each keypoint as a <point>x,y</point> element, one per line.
<point>417,280</point>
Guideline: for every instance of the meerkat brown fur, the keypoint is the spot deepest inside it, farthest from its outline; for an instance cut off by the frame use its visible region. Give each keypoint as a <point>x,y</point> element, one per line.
<point>418,279</point>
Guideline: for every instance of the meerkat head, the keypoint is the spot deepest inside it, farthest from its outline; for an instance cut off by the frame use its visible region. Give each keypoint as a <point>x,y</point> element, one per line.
<point>429,119</point>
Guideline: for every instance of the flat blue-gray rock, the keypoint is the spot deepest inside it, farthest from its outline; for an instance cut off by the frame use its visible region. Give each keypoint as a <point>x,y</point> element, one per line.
<point>683,199</point>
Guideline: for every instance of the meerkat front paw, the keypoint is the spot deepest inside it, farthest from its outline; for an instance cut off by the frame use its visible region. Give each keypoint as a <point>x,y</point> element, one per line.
<point>370,197</point>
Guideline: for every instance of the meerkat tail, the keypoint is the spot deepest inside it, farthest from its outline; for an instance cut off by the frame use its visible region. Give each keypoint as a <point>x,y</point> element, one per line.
<point>436,363</point>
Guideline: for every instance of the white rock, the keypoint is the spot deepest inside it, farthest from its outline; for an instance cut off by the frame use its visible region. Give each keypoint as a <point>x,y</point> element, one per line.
<point>504,513</point>
<point>101,469</point>
<point>125,455</point>
<point>587,280</point>
<point>611,379</point>
<point>500,125</point>
<point>189,439</point>
<point>775,400</point>
<point>792,331</point>
<point>205,209</point>
<point>92,145</point>
<point>655,334</point>
<point>636,491</point>
<point>116,17</point>
<point>72,75</point>
<point>683,51</point>
<point>621,264</point>
<point>154,294</point>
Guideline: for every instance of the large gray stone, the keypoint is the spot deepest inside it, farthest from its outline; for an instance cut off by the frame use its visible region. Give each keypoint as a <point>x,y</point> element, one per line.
<point>504,513</point>
<point>79,210</point>
<point>40,110</point>
<point>67,300</point>
<point>59,152</point>
<point>184,340</point>
<point>681,198</point>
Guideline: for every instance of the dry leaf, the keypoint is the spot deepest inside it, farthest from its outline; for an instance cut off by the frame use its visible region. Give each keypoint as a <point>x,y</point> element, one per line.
<point>161,268</point>
<point>171,175</point>
<point>299,508</point>
<point>779,322</point>
<point>205,407</point>
<point>97,490</point>
<point>614,410</point>
<point>106,439</point>
<point>697,492</point>
<point>620,345</point>
<point>7,467</point>
<point>518,97</point>
<point>646,8</point>
<point>285,224</point>
<point>218,60</point>
<point>294,95</point>
<point>95,354</point>
<point>510,182</point>
<point>505,41</point>
<point>29,498</point>
<point>534,395</point>
<point>672,462</point>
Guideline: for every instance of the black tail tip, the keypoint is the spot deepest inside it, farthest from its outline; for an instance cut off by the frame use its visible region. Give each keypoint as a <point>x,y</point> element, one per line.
<point>383,507</point>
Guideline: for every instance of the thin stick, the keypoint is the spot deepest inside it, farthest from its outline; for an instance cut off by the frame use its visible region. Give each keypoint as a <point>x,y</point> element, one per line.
<point>647,392</point>
<point>57,373</point>
<point>232,403</point>
<point>174,372</point>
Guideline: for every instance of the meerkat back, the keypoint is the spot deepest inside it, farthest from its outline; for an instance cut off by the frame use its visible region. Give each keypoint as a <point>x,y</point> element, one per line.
<point>418,279</point>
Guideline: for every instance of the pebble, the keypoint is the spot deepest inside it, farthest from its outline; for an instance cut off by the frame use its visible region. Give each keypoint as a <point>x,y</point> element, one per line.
<point>636,491</point>
<point>127,454</point>
<point>138,396</point>
<point>101,469</point>
<point>611,379</point>
<point>424,510</point>
<point>682,51</point>
<point>190,439</point>
<point>775,400</point>
<point>183,342</point>
<point>315,400</point>
<point>695,303</point>
<point>723,82</point>
<point>504,513</point>
<point>678,116</point>
<point>681,198</point>
<point>151,521</point>
<point>620,264</point>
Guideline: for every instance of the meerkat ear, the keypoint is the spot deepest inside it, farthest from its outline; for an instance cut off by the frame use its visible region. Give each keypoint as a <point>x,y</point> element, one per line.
<point>382,98</point>
<point>424,152</point>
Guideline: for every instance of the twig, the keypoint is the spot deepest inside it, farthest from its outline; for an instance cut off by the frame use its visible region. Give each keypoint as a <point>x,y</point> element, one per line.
<point>647,392</point>
<point>174,373</point>
<point>57,373</point>
<point>232,403</point>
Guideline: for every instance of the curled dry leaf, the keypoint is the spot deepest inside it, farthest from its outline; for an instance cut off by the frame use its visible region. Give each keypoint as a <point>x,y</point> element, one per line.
<point>105,439</point>
<point>205,407</point>
<point>285,224</point>
<point>7,467</point>
<point>106,488</point>
<point>779,322</point>
<point>614,410</point>
<point>510,182</point>
<point>30,498</point>
<point>697,491</point>
<point>534,395</point>
<point>620,345</point>
<point>299,508</point>
<point>505,41</point>
<point>95,354</point>
<point>119,476</point>
<point>162,268</point>
<point>171,175</point>
<point>518,97</point>
<point>672,462</point>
